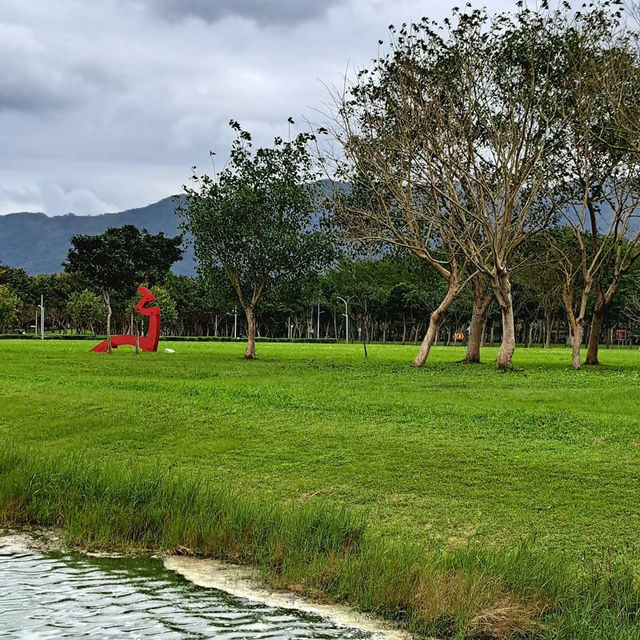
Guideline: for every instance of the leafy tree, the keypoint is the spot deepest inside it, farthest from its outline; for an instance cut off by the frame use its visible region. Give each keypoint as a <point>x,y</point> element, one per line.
<point>85,309</point>
<point>56,288</point>
<point>117,261</point>
<point>10,305</point>
<point>18,280</point>
<point>255,220</point>
<point>21,284</point>
<point>167,306</point>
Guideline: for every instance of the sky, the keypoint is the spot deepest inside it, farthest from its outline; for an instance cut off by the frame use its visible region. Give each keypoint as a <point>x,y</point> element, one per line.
<point>105,105</point>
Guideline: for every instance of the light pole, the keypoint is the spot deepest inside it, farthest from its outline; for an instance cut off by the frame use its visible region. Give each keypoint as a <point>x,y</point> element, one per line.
<point>235,322</point>
<point>318,323</point>
<point>346,315</point>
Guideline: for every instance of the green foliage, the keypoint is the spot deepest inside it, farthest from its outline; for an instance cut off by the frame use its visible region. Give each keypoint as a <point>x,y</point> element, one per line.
<point>255,218</point>
<point>121,258</point>
<point>10,305</point>
<point>18,280</point>
<point>85,308</point>
<point>168,310</point>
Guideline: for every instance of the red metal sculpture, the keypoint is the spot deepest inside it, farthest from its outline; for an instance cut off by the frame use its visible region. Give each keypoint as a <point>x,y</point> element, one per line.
<point>146,343</point>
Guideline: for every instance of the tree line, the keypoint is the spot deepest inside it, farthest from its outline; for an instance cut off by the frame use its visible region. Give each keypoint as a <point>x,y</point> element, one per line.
<point>483,180</point>
<point>389,299</point>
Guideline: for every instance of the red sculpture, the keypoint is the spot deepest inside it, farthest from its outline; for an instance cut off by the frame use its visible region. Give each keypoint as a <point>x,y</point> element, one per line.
<point>146,343</point>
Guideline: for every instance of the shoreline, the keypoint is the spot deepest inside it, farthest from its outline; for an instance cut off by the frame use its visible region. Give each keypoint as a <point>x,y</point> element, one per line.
<point>243,582</point>
<point>236,580</point>
<point>308,552</point>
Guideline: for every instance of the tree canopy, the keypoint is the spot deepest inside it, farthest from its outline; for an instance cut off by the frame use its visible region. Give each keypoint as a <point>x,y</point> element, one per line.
<point>257,219</point>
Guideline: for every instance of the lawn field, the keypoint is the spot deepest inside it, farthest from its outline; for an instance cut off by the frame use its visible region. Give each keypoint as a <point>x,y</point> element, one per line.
<point>441,457</point>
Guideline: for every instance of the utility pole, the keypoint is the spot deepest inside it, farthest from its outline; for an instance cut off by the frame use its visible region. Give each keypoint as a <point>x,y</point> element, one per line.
<point>346,315</point>
<point>318,331</point>
<point>42,316</point>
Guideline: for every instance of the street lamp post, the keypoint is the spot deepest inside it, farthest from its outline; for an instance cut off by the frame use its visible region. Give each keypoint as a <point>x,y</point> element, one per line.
<point>346,315</point>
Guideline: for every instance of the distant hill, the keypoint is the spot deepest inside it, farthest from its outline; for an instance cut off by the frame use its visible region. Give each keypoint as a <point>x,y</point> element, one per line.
<point>38,243</point>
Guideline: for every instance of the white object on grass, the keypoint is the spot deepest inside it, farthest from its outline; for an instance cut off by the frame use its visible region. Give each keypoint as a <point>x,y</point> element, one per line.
<point>169,351</point>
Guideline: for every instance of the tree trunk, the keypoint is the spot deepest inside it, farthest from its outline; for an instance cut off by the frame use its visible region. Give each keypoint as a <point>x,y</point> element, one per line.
<point>475,336</point>
<point>502,289</point>
<point>596,328</point>
<point>435,320</point>
<point>481,301</point>
<point>107,301</point>
<point>250,351</point>
<point>578,332</point>
<point>548,329</point>
<point>594,337</point>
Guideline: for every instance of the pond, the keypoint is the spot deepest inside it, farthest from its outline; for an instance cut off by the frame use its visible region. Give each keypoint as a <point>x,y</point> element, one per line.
<point>67,595</point>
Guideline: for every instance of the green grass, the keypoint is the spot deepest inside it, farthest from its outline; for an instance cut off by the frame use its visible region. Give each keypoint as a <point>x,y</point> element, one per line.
<point>489,497</point>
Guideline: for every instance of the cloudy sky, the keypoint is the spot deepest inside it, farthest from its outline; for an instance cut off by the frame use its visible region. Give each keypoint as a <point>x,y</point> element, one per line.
<point>106,104</point>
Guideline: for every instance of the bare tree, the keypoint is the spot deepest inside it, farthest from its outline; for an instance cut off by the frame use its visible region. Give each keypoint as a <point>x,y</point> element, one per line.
<point>381,208</point>
<point>600,197</point>
<point>498,143</point>
<point>390,203</point>
<point>450,134</point>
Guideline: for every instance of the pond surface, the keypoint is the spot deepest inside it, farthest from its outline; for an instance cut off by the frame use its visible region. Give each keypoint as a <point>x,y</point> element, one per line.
<point>60,595</point>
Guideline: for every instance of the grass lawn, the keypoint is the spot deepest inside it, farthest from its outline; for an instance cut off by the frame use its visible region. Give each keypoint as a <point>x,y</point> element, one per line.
<point>438,456</point>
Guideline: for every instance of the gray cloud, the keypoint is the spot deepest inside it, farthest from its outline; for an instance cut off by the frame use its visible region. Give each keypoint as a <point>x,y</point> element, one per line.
<point>107,105</point>
<point>269,12</point>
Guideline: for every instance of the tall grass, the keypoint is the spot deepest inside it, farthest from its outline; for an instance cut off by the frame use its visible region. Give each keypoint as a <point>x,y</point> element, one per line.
<point>325,552</point>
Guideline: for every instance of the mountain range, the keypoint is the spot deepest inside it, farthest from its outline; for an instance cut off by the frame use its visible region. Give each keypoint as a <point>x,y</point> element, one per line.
<point>39,243</point>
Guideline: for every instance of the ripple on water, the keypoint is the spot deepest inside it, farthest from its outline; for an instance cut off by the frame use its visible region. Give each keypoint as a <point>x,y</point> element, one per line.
<point>58,595</point>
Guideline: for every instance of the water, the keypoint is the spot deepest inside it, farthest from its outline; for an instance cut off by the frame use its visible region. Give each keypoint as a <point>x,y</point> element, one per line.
<point>60,595</point>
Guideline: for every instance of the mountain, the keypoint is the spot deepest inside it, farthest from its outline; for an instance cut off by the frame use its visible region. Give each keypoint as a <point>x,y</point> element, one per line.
<point>39,243</point>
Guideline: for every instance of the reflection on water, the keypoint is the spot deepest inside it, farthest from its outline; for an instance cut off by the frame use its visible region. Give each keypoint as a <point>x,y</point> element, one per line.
<point>56,595</point>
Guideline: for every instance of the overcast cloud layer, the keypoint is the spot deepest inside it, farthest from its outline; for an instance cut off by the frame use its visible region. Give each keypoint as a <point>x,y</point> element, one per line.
<point>105,105</point>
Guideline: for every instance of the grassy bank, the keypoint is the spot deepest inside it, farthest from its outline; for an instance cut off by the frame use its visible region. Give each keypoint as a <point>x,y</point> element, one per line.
<point>320,551</point>
<point>492,500</point>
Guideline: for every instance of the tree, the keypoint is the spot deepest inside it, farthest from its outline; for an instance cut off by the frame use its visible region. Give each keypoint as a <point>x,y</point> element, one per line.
<point>599,199</point>
<point>22,286</point>
<point>388,203</point>
<point>10,305</point>
<point>168,309</point>
<point>256,220</point>
<point>85,309</point>
<point>56,289</point>
<point>117,261</point>
<point>450,137</point>
<point>483,296</point>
